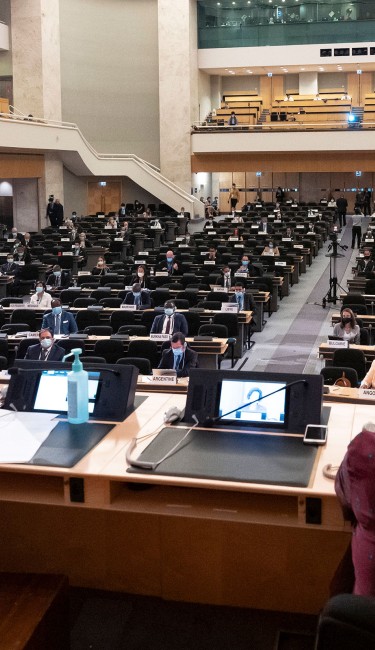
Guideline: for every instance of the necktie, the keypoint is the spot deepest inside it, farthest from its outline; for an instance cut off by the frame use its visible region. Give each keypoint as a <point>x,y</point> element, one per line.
<point>240,302</point>
<point>57,324</point>
<point>168,326</point>
<point>227,283</point>
<point>137,301</point>
<point>43,354</point>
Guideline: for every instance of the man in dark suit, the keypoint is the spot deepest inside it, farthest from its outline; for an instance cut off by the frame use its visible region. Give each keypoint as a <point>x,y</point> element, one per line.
<point>141,299</point>
<point>170,264</point>
<point>59,321</point>
<point>342,206</point>
<point>58,211</point>
<point>46,349</point>
<point>179,356</point>
<point>58,279</point>
<point>366,265</point>
<point>264,226</point>
<point>244,300</point>
<point>170,322</point>
<point>9,268</point>
<point>19,237</point>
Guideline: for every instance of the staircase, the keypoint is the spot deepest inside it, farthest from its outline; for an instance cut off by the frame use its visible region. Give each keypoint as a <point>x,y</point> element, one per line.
<point>263,116</point>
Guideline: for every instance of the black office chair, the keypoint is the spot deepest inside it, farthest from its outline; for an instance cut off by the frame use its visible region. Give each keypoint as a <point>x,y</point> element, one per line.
<point>193,321</point>
<point>352,359</point>
<point>331,374</point>
<point>123,317</point>
<point>148,318</point>
<point>24,344</point>
<point>145,350</point>
<point>221,296</point>
<point>191,295</point>
<point>24,316</point>
<point>221,332</point>
<point>133,330</point>
<point>214,305</point>
<point>87,318</point>
<point>347,622</point>
<point>98,294</point>
<point>98,330</point>
<point>68,296</point>
<point>84,302</point>
<point>13,328</point>
<point>160,296</point>
<point>143,365</point>
<point>364,336</point>
<point>352,298</point>
<point>3,363</point>
<point>113,303</point>
<point>181,303</point>
<point>92,359</point>
<point>110,349</point>
<point>6,302</point>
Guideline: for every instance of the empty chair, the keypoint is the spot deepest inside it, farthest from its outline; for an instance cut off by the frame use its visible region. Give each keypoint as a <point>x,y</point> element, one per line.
<point>160,296</point>
<point>84,302</point>
<point>13,328</point>
<point>5,302</point>
<point>98,330</point>
<point>110,349</point>
<point>193,321</point>
<point>92,359</point>
<point>143,365</point>
<point>68,296</point>
<point>145,350</point>
<point>98,294</point>
<point>190,295</point>
<point>70,344</point>
<point>113,303</point>
<point>181,303</point>
<point>217,295</point>
<point>148,318</point>
<point>86,318</point>
<point>109,277</point>
<point>354,299</point>
<point>123,317</point>
<point>364,336</point>
<point>347,622</point>
<point>229,320</point>
<point>3,363</point>
<point>331,374</point>
<point>352,359</point>
<point>24,316</point>
<point>221,332</point>
<point>133,330</point>
<point>213,305</point>
<point>90,284</point>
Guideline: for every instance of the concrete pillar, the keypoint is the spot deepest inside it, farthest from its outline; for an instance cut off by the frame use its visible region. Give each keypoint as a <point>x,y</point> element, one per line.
<point>178,87</point>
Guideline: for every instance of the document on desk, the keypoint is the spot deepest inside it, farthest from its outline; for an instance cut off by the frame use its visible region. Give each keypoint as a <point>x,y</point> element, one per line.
<point>21,434</point>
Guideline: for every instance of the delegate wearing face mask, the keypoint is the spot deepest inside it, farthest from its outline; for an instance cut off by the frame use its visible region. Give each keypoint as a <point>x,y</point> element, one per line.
<point>41,298</point>
<point>347,329</point>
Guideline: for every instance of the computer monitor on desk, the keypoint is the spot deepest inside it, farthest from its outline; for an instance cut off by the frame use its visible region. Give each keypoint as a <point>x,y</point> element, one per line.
<point>260,400</point>
<point>39,386</point>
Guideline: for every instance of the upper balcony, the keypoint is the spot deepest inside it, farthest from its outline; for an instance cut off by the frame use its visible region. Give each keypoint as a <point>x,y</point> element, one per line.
<point>255,23</point>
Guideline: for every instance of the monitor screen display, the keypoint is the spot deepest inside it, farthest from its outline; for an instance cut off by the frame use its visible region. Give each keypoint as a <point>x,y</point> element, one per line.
<point>52,391</point>
<point>265,406</point>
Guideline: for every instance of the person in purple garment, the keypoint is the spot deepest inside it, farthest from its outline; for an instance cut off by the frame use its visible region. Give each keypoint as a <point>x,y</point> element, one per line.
<point>355,488</point>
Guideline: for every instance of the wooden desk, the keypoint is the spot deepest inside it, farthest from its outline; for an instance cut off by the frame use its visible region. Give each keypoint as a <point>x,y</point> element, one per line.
<point>217,542</point>
<point>327,351</point>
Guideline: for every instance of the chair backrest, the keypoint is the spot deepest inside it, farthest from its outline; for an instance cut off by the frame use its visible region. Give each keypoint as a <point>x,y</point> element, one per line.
<point>5,302</point>
<point>229,320</point>
<point>24,316</point>
<point>181,303</point>
<point>133,330</point>
<point>123,317</point>
<point>98,330</point>
<point>143,365</point>
<point>331,374</point>
<point>87,317</point>
<point>214,305</point>
<point>145,349</point>
<point>364,336</point>
<point>148,318</point>
<point>13,328</point>
<point>357,308</point>
<point>193,321</point>
<point>211,329</point>
<point>98,294</point>
<point>110,349</point>
<point>23,345</point>
<point>353,298</point>
<point>352,359</point>
<point>92,359</point>
<point>84,302</point>
<point>110,302</point>
<point>222,296</point>
<point>68,296</point>
<point>347,622</point>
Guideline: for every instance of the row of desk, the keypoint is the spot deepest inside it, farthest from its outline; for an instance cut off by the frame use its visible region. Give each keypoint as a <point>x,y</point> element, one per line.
<point>208,541</point>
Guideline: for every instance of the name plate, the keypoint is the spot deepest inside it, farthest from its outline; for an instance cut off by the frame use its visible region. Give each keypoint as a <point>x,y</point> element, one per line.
<point>233,238</point>
<point>84,273</point>
<point>211,232</point>
<point>229,307</point>
<point>209,262</point>
<point>118,239</point>
<point>277,221</point>
<point>298,246</point>
<point>294,205</point>
<point>66,253</point>
<point>286,239</point>
<point>337,344</point>
<point>11,241</point>
<point>164,379</point>
<point>139,261</point>
<point>65,239</point>
<point>240,274</point>
<point>180,238</point>
<point>63,227</point>
<point>128,307</point>
<point>160,337</point>
<point>258,205</point>
<point>100,216</point>
<point>268,254</point>
<point>16,305</point>
<point>300,227</point>
<point>204,252</point>
<point>280,263</point>
<point>310,232</point>
<point>219,288</point>
<point>239,246</point>
<point>161,274</point>
<point>20,263</point>
<point>183,246</point>
<point>33,335</point>
<point>368,240</point>
<point>366,393</point>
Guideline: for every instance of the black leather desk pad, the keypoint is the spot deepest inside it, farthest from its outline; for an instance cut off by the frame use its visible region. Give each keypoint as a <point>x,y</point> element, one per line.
<point>68,443</point>
<point>232,456</point>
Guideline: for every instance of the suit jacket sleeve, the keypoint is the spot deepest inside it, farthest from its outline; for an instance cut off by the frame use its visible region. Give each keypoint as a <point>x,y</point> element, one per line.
<point>73,328</point>
<point>156,326</point>
<point>182,324</point>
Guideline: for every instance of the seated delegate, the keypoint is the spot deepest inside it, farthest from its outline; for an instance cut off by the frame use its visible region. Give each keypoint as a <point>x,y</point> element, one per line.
<point>347,329</point>
<point>59,321</point>
<point>170,322</point>
<point>270,249</point>
<point>141,299</point>
<point>41,298</point>
<point>179,356</point>
<point>46,349</point>
<point>369,380</point>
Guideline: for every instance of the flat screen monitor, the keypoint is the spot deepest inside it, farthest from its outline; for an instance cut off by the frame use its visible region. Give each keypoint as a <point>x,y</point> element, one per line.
<point>253,402</point>
<point>52,391</point>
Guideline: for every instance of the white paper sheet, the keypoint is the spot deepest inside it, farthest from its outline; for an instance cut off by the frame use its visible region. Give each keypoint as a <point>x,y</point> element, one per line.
<point>21,434</point>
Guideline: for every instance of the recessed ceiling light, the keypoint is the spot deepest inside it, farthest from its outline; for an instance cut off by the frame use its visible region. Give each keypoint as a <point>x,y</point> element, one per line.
<point>302,69</point>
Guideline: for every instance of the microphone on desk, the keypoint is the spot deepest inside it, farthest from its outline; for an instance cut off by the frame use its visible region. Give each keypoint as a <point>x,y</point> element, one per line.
<point>209,422</point>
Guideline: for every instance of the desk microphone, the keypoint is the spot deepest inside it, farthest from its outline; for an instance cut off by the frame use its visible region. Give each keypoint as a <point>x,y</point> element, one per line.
<point>209,422</point>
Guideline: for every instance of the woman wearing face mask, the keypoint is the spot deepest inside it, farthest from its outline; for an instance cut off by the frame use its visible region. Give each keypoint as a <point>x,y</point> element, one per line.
<point>270,249</point>
<point>101,267</point>
<point>347,329</point>
<point>141,277</point>
<point>41,298</point>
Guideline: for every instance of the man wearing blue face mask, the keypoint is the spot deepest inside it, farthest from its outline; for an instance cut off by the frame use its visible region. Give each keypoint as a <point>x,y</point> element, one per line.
<point>169,264</point>
<point>58,279</point>
<point>245,301</point>
<point>59,321</point>
<point>170,322</point>
<point>141,299</point>
<point>179,356</point>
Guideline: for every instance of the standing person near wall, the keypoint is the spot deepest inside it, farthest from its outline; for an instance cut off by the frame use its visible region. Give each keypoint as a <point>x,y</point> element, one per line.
<point>342,206</point>
<point>234,197</point>
<point>356,227</point>
<point>233,121</point>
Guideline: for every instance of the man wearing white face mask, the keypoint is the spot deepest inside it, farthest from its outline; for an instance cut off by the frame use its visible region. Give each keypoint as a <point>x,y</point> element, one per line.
<point>46,349</point>
<point>179,356</point>
<point>170,322</point>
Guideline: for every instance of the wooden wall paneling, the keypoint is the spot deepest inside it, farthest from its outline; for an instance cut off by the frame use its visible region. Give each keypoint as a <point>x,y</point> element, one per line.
<point>21,165</point>
<point>103,198</point>
<point>225,184</point>
<point>347,161</point>
<point>240,179</point>
<point>251,181</point>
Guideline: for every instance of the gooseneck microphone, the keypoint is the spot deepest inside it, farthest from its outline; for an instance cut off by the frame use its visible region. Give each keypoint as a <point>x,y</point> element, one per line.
<point>209,422</point>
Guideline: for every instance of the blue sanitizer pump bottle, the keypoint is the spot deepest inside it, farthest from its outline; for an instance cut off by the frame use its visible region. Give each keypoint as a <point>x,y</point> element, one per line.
<point>78,390</point>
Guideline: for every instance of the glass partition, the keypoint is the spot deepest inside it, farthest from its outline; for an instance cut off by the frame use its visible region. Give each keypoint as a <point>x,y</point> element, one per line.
<point>253,23</point>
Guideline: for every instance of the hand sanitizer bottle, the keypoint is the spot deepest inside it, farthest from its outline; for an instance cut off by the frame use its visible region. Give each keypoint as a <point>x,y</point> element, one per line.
<point>78,391</point>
